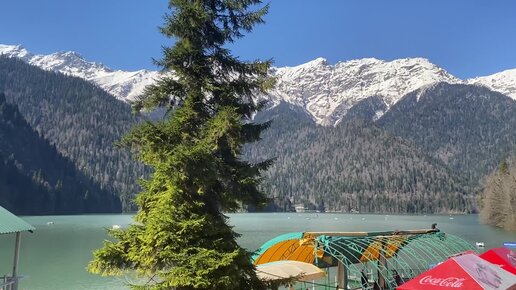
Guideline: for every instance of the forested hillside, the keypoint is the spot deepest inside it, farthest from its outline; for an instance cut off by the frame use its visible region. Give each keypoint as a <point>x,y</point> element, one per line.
<point>354,166</point>
<point>427,153</point>
<point>470,128</point>
<point>81,120</point>
<point>36,179</point>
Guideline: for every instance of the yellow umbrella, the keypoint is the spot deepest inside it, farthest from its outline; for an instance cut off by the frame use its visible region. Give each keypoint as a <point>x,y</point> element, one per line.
<point>294,246</point>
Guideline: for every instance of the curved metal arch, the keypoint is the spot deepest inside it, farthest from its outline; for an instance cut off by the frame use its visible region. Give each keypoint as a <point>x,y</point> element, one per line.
<point>410,252</point>
<point>358,246</point>
<point>381,271</point>
<point>426,251</point>
<point>418,261</point>
<point>417,251</point>
<point>437,250</point>
<point>342,257</point>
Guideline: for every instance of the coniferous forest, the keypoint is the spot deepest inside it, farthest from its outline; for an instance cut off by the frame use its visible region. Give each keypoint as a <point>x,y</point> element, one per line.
<point>36,179</point>
<point>430,153</point>
<point>355,166</point>
<point>80,120</point>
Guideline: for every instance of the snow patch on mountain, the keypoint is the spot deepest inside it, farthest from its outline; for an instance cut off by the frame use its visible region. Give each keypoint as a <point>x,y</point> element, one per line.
<point>321,88</point>
<point>125,85</point>
<point>15,51</point>
<point>503,82</point>
<point>326,92</point>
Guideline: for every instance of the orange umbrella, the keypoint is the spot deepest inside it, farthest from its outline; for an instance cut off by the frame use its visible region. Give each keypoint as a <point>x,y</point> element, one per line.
<point>293,246</point>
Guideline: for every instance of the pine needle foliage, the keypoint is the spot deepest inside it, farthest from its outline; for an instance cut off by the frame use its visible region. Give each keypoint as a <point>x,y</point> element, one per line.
<point>180,238</point>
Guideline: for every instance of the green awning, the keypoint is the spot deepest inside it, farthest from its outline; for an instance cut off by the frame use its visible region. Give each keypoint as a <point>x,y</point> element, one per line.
<point>9,223</point>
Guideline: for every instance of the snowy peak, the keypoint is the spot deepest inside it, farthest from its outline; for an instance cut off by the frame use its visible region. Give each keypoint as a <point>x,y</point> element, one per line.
<point>503,82</point>
<point>15,51</point>
<point>313,64</point>
<point>122,84</point>
<point>328,91</point>
<point>324,91</point>
<point>70,63</point>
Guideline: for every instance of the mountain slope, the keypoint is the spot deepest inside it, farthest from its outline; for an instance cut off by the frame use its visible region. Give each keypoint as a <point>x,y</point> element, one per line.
<point>125,85</point>
<point>503,82</point>
<point>325,91</point>
<point>36,179</point>
<point>368,109</point>
<point>469,128</point>
<point>81,120</point>
<point>355,165</point>
<point>449,136</point>
<point>321,88</point>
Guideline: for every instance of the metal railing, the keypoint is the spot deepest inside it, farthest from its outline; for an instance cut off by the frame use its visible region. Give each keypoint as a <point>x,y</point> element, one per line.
<point>8,283</point>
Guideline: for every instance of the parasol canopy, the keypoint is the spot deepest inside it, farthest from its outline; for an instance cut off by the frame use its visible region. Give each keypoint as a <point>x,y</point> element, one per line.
<point>503,257</point>
<point>463,272</point>
<point>291,246</point>
<point>288,269</point>
<point>307,246</point>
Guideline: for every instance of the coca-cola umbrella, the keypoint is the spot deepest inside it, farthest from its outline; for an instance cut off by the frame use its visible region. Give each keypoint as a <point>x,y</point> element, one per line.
<point>463,272</point>
<point>503,257</point>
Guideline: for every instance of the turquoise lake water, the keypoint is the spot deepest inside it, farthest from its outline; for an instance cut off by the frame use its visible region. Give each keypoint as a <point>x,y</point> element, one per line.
<point>55,256</point>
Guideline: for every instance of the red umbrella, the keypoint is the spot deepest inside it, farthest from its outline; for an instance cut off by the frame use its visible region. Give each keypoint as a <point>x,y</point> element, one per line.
<point>463,272</point>
<point>502,257</point>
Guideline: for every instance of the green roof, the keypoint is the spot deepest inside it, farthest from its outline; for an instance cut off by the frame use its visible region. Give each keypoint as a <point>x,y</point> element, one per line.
<point>9,223</point>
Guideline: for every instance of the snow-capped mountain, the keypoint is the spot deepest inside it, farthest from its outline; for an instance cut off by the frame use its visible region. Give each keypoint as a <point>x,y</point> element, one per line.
<point>503,82</point>
<point>124,85</point>
<point>326,92</point>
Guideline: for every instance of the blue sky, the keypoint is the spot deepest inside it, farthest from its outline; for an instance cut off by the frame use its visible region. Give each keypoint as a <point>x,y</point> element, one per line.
<point>466,37</point>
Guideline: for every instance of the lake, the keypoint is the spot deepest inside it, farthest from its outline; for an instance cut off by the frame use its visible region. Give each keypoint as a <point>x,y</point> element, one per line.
<point>55,256</point>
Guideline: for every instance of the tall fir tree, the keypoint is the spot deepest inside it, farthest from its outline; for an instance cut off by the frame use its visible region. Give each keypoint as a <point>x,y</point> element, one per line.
<point>181,238</point>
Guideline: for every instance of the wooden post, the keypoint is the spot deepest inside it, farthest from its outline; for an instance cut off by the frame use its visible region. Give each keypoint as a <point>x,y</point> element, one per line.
<point>382,266</point>
<point>342,276</point>
<point>16,259</point>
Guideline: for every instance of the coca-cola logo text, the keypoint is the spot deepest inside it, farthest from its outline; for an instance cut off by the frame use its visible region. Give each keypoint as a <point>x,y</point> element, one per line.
<point>451,282</point>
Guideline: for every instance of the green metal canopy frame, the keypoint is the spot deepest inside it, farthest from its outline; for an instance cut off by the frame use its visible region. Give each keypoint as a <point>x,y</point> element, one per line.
<point>382,258</point>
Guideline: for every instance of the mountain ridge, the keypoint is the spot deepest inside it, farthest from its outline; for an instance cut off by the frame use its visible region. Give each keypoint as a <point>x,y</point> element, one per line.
<point>80,119</point>
<point>125,85</point>
<point>325,91</point>
<point>353,166</point>
<point>470,128</point>
<point>503,82</point>
<point>342,167</point>
<point>37,179</point>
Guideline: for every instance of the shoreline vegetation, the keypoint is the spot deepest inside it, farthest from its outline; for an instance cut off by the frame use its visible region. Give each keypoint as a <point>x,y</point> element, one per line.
<point>499,197</point>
